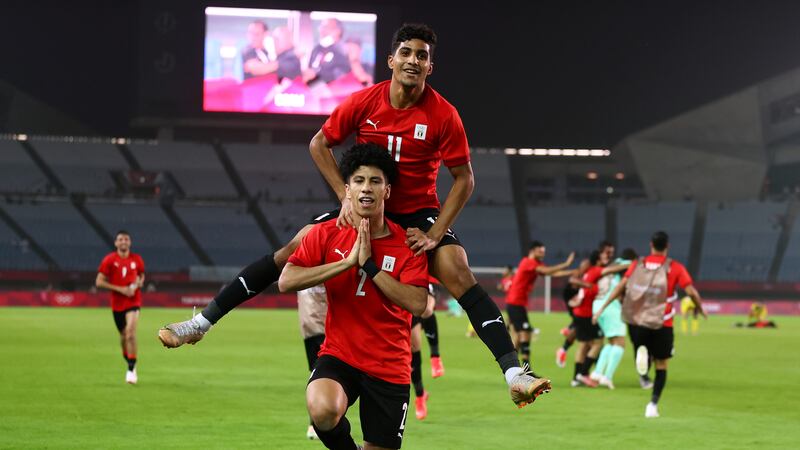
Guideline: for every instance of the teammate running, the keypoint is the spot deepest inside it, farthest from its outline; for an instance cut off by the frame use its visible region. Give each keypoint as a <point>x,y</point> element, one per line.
<point>421,130</point>
<point>649,287</point>
<point>122,273</point>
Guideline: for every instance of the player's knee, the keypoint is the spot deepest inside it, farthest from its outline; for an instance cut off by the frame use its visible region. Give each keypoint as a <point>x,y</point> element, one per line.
<point>324,412</point>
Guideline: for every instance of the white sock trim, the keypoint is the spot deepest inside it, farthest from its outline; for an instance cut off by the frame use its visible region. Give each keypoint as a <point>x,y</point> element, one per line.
<point>511,373</point>
<point>202,322</point>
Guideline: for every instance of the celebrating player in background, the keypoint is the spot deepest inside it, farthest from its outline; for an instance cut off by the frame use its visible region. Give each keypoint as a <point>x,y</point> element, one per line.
<point>122,273</point>
<point>611,324</point>
<point>421,131</point>
<point>647,307</point>
<point>568,294</point>
<point>588,333</point>
<point>374,284</point>
<point>530,267</point>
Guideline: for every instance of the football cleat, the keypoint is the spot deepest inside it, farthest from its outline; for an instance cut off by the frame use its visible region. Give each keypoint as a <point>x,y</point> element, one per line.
<point>421,406</point>
<point>311,433</point>
<point>525,388</point>
<point>642,360</point>
<point>604,381</point>
<point>645,382</point>
<point>586,381</point>
<point>437,368</point>
<point>651,411</point>
<point>176,334</point>
<point>130,377</point>
<point>561,357</point>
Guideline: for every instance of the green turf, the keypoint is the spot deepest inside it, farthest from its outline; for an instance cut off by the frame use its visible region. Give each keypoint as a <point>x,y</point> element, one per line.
<point>62,386</point>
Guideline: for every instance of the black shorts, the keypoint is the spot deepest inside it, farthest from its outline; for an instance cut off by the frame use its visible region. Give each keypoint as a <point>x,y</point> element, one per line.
<point>518,317</point>
<point>383,405</point>
<point>566,295</point>
<point>119,318</point>
<point>422,219</point>
<point>585,330</point>
<point>660,343</point>
<point>415,320</point>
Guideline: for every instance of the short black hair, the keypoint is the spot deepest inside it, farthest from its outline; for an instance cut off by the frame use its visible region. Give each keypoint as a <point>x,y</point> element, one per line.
<point>605,243</point>
<point>594,257</point>
<point>125,232</point>
<point>535,244</point>
<point>414,31</point>
<point>660,241</point>
<point>629,254</point>
<point>368,155</point>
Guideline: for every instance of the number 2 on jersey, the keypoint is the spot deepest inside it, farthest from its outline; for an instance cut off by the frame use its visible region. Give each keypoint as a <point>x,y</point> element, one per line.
<point>359,289</point>
<point>391,146</point>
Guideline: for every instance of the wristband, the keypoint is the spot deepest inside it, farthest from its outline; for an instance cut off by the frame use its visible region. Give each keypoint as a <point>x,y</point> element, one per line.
<point>370,268</point>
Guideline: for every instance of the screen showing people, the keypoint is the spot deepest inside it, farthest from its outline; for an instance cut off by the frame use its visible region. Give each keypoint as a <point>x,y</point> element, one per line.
<point>285,61</point>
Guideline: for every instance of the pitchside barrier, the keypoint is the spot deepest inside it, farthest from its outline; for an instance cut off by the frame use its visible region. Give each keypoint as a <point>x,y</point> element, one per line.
<point>200,299</point>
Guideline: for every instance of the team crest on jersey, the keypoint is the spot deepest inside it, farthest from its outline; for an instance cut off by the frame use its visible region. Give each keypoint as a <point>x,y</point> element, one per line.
<point>420,131</point>
<point>133,266</point>
<point>388,263</point>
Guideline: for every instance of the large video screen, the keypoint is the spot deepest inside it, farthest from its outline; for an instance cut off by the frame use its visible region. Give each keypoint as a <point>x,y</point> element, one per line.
<point>285,61</point>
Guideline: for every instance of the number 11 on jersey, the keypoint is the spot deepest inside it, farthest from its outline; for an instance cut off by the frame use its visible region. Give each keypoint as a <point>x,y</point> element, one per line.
<point>392,148</point>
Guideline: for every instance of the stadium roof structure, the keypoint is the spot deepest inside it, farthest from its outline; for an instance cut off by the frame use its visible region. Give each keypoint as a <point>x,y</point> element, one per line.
<point>721,151</point>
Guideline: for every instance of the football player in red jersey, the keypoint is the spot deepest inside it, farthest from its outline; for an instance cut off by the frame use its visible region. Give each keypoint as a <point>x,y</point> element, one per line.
<point>421,130</point>
<point>530,267</point>
<point>657,343</point>
<point>122,273</point>
<point>374,284</point>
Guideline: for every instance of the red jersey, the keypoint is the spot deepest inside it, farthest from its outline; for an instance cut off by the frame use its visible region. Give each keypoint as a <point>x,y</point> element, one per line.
<point>420,138</point>
<point>676,274</point>
<point>363,327</point>
<point>522,283</point>
<point>505,282</point>
<point>591,276</point>
<point>123,272</point>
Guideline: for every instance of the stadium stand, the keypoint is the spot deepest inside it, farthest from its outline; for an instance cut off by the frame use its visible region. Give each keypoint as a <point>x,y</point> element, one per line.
<point>228,233</point>
<point>16,253</point>
<point>490,235</point>
<point>637,222</point>
<point>18,173</point>
<point>567,228</point>
<point>278,173</point>
<point>65,235</point>
<point>85,167</point>
<point>153,236</point>
<point>194,166</point>
<point>740,240</point>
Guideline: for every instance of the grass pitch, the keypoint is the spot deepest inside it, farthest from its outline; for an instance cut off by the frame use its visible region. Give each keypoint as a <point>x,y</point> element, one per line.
<point>62,386</point>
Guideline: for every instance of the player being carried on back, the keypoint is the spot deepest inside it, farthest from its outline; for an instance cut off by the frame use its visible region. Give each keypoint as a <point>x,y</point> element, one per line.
<point>421,130</point>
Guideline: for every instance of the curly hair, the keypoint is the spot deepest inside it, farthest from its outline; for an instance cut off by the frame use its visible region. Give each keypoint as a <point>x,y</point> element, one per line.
<point>414,31</point>
<point>371,155</point>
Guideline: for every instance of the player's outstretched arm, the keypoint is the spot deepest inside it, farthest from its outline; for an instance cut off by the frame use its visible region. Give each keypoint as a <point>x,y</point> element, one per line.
<point>616,268</point>
<point>558,268</point>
